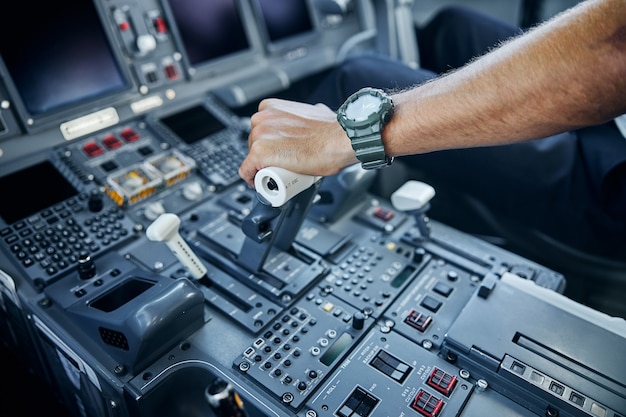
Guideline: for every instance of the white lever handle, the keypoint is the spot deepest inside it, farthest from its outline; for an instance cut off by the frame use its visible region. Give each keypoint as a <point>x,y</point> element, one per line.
<point>412,195</point>
<point>165,229</point>
<point>278,185</point>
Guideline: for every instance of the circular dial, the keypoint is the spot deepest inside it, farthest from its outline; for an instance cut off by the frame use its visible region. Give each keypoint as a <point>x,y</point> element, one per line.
<point>361,108</point>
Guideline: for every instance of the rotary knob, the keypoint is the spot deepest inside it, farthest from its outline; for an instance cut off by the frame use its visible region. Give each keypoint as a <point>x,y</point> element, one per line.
<point>192,191</point>
<point>86,267</point>
<point>146,43</point>
<point>153,210</point>
<point>358,321</point>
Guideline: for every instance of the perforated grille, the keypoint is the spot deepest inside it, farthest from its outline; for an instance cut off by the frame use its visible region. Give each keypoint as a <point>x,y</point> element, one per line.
<point>114,338</point>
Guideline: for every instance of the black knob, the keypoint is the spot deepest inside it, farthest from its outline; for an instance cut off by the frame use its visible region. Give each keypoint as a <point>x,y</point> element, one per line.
<point>217,387</point>
<point>418,255</point>
<point>86,266</point>
<point>224,400</point>
<point>96,202</point>
<point>358,320</point>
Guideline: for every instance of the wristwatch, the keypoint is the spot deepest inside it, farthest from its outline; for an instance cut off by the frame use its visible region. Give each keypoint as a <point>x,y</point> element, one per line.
<point>363,116</point>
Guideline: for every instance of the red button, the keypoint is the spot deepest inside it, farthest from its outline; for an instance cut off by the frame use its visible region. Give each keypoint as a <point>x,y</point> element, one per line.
<point>130,135</point>
<point>92,149</point>
<point>111,142</point>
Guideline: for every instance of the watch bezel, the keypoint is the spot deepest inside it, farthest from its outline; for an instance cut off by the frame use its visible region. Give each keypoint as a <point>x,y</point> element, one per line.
<point>366,134</point>
<point>380,118</point>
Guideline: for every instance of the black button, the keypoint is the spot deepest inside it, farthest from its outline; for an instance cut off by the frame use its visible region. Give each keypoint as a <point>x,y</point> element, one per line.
<point>431,304</point>
<point>577,399</point>
<point>442,289</point>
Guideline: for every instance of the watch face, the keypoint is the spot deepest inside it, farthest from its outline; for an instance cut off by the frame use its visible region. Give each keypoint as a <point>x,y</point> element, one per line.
<point>361,108</point>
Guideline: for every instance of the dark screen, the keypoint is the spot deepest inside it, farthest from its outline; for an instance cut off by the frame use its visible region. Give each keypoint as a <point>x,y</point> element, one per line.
<point>193,124</point>
<point>209,29</point>
<point>336,349</point>
<point>121,295</point>
<point>31,190</point>
<point>57,54</point>
<point>285,18</point>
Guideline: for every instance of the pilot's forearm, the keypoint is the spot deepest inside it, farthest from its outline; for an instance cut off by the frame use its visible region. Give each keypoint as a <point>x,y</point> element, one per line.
<point>568,73</point>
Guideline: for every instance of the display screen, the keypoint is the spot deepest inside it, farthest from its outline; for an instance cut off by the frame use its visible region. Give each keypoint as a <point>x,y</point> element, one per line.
<point>285,18</point>
<point>31,190</point>
<point>57,54</point>
<point>193,124</point>
<point>336,349</point>
<point>402,277</point>
<point>209,29</point>
<point>121,295</point>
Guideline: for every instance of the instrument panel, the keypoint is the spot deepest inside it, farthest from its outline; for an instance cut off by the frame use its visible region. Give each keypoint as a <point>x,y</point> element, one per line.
<point>335,304</point>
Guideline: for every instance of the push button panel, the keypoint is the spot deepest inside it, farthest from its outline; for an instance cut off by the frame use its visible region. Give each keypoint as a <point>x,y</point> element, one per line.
<point>298,350</point>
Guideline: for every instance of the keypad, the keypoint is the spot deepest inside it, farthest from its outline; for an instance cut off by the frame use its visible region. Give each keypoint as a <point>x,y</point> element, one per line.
<point>50,242</point>
<point>368,278</point>
<point>220,162</point>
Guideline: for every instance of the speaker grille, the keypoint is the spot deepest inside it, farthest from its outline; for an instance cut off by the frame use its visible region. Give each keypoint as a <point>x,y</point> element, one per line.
<point>114,338</point>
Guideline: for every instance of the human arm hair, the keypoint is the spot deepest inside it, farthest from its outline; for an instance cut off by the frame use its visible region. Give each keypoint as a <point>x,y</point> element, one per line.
<point>566,73</point>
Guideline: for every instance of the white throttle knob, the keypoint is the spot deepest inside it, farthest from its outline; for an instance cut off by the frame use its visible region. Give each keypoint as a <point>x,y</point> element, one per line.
<point>165,229</point>
<point>278,185</point>
<point>412,195</point>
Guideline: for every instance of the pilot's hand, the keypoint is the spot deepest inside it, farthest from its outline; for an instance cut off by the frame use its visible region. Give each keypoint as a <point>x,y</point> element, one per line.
<point>303,138</point>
